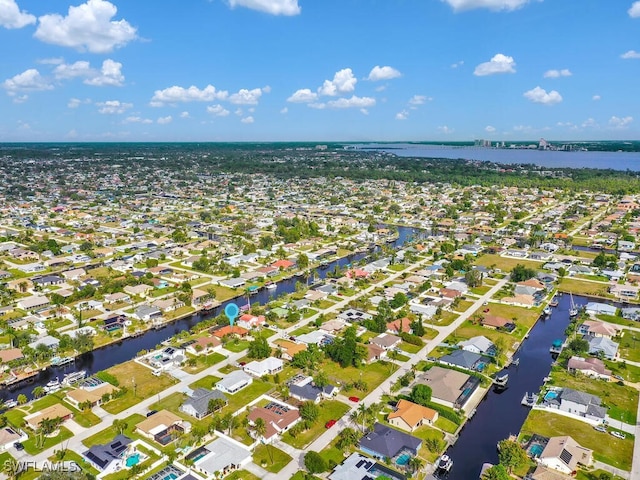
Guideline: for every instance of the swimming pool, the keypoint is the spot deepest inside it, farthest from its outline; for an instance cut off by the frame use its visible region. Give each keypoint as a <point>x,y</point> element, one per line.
<point>550,395</point>
<point>480,366</point>
<point>133,460</point>
<point>403,459</point>
<point>536,450</point>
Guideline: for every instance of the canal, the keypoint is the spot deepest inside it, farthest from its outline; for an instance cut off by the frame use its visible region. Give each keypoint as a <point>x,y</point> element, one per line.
<point>120,352</point>
<point>501,414</point>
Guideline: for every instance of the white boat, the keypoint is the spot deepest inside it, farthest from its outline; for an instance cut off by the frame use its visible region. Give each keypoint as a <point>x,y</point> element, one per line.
<point>52,386</point>
<point>573,310</point>
<point>516,361</point>
<point>529,399</point>
<point>71,378</point>
<point>10,403</point>
<point>444,463</point>
<point>547,311</point>
<point>501,380</point>
<point>271,286</point>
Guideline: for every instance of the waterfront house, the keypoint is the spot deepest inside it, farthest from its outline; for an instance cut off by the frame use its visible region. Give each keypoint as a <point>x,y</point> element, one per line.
<point>449,387</point>
<point>464,359</point>
<point>163,427</point>
<point>597,308</point>
<point>497,323</point>
<point>234,382</point>
<point>624,292</point>
<point>409,415</point>
<point>479,344</point>
<point>84,394</point>
<point>578,403</point>
<point>222,332</point>
<point>47,340</point>
<point>564,454</point>
<point>278,418</point>
<point>386,442</point>
<point>591,367</point>
<point>147,312</point>
<point>595,328</point>
<point>197,405</point>
<point>203,346</point>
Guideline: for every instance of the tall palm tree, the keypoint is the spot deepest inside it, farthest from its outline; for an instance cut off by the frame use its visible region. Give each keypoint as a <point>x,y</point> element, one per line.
<point>11,468</point>
<point>260,428</point>
<point>38,392</point>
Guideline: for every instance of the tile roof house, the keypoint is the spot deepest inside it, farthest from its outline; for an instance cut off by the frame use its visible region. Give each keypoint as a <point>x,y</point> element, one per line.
<point>449,387</point>
<point>197,405</point>
<point>603,346</point>
<point>386,341</point>
<point>386,442</point>
<point>163,427</point>
<point>565,454</point>
<point>591,367</point>
<point>54,411</point>
<point>409,415</point>
<point>595,328</point>
<point>400,325</point>
<point>278,418</point>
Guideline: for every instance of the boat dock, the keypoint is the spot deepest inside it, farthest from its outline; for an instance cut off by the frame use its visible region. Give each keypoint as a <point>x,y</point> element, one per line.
<point>529,399</point>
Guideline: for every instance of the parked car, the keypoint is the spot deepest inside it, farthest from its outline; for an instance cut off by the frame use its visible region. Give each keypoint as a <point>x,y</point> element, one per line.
<point>354,399</point>
<point>330,423</point>
<point>151,412</point>
<point>18,446</point>
<point>619,435</point>
<point>600,428</point>
<point>618,377</point>
<point>242,364</point>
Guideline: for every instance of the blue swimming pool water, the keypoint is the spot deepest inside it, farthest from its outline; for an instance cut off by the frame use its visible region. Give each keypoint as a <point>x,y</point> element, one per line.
<point>133,460</point>
<point>480,366</point>
<point>171,476</point>
<point>536,450</point>
<point>550,395</point>
<point>403,459</point>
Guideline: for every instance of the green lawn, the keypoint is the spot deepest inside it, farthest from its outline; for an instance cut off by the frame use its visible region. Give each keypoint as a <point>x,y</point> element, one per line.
<point>522,316</point>
<point>447,318</point>
<point>425,432</point>
<point>446,425</point>
<point>409,348</point>
<point>617,320</point>
<point>505,264</point>
<point>146,385</point>
<point>30,444</point>
<point>106,435</point>
<point>621,400</point>
<point>373,374</point>
<point>204,361</point>
<point>329,410</point>
<point>207,382</point>
<point>236,346</point>
<point>270,458</point>
<point>606,448</point>
<point>594,475</point>
<point>630,373</point>
<point>332,454</point>
<point>241,475</point>
<point>583,288</point>
<point>248,394</point>
<point>629,345</point>
<point>71,456</point>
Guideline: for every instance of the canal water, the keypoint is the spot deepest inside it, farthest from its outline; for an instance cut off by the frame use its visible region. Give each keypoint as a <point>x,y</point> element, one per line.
<point>116,353</point>
<point>501,414</point>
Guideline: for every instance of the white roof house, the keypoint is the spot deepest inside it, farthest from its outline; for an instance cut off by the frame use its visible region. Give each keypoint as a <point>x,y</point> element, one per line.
<point>479,344</point>
<point>234,382</point>
<point>222,456</point>
<point>268,366</point>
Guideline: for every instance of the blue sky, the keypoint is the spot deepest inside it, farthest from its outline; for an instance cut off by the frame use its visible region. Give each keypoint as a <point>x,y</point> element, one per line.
<point>319,70</point>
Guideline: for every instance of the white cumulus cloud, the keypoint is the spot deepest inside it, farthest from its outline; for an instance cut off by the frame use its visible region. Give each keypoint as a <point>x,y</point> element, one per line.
<point>418,100</point>
<point>489,129</point>
<point>383,73</point>
<point>87,27</point>
<point>135,119</point>
<point>499,63</point>
<point>27,81</point>
<point>217,110</point>
<point>343,82</point>
<point>540,95</point>
<point>246,97</point>
<point>66,71</point>
<point>557,73</point>
<point>273,7</point>
<point>353,102</point>
<point>304,95</point>
<point>248,119</point>
<point>109,75</point>
<point>111,107</point>
<point>184,114</point>
<point>284,110</point>
<point>630,54</point>
<point>496,5</point>
<point>178,94</point>
<point>165,120</point>
<point>403,115</point>
<point>634,10</point>
<point>12,17</point>
<point>620,122</point>
<point>595,98</point>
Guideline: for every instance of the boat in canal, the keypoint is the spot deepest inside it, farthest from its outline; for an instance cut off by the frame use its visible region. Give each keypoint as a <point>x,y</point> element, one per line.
<point>73,377</point>
<point>52,386</point>
<point>444,463</point>
<point>253,290</point>
<point>556,346</point>
<point>554,302</point>
<point>573,310</point>
<point>501,380</point>
<point>547,311</point>
<point>270,286</point>
<point>529,399</point>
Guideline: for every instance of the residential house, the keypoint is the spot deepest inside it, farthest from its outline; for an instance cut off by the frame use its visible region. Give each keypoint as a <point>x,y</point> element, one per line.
<point>118,297</point>
<point>221,457</point>
<point>409,415</point>
<point>595,328</point>
<point>110,457</point>
<point>163,427</point>
<point>479,344</point>
<point>360,467</point>
<point>302,388</point>
<point>48,281</point>
<point>597,308</point>
<point>46,340</point>
<point>386,442</point>
<point>375,353</point>
<point>33,303</point>
<point>352,315</point>
<point>449,387</point>
<point>579,403</point>
<point>625,292</point>
<point>203,346</point>
<point>289,349</point>
<point>10,436</point>
<point>168,304</point>
<point>278,418</point>
<point>234,382</point>
<point>464,359</point>
<point>83,394</point>
<point>565,454</point>
<point>138,290</point>
<point>314,337</point>
<point>591,367</point>
<point>166,359</point>
<point>56,410</point>
<point>497,323</point>
<point>603,346</point>
<point>222,332</point>
<point>386,341</point>
<point>249,321</point>
<point>10,354</point>
<point>147,312</point>
<point>401,325</point>
<point>197,405</point>
<point>267,366</point>
<point>75,274</point>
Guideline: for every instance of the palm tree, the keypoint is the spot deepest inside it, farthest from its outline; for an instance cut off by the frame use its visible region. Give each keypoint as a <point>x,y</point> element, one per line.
<point>120,425</point>
<point>11,468</point>
<point>415,464</point>
<point>260,428</point>
<point>362,414</point>
<point>38,392</point>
